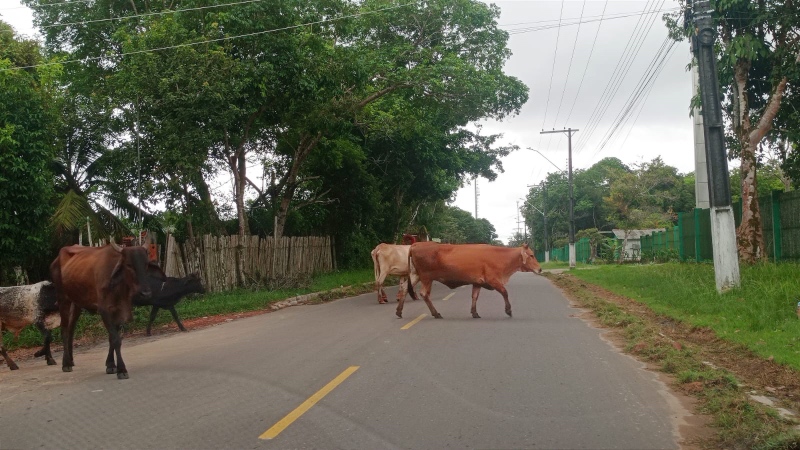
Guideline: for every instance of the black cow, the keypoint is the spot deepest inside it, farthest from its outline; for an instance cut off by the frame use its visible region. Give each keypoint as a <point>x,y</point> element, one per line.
<point>167,291</point>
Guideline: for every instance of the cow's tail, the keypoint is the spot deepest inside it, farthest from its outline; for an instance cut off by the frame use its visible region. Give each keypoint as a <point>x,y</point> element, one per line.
<point>410,277</point>
<point>376,265</point>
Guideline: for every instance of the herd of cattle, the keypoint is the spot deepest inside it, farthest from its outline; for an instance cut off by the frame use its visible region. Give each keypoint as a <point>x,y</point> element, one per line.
<point>111,280</point>
<point>107,280</point>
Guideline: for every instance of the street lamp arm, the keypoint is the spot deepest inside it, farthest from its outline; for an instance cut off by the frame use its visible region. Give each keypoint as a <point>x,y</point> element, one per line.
<point>545,157</point>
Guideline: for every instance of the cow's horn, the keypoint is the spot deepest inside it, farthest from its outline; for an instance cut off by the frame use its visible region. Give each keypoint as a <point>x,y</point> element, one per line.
<point>115,245</point>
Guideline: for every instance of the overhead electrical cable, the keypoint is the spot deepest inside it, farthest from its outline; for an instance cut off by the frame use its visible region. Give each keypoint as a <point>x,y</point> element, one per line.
<point>586,66</point>
<point>226,38</point>
<point>638,95</point>
<point>48,4</point>
<point>159,13</point>
<point>569,66</point>
<point>621,70</point>
<point>618,75</point>
<point>552,72</point>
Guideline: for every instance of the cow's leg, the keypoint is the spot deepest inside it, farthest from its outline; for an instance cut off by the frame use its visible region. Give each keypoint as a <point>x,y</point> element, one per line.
<point>114,347</point>
<point>48,338</point>
<point>177,319</point>
<point>379,287</point>
<point>476,290</point>
<point>425,292</point>
<point>401,292</point>
<point>11,364</point>
<point>153,313</point>
<point>502,290</point>
<point>69,317</point>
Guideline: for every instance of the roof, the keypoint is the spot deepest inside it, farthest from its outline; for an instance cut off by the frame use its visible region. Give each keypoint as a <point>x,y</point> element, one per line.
<point>635,234</point>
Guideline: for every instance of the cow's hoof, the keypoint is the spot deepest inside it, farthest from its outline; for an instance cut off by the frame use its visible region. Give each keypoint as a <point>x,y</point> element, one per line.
<point>110,370</point>
<point>400,315</point>
<point>66,368</point>
<point>437,316</point>
<point>509,313</point>
<point>13,366</point>
<point>51,362</point>
<point>475,316</point>
<point>122,375</point>
<point>380,302</point>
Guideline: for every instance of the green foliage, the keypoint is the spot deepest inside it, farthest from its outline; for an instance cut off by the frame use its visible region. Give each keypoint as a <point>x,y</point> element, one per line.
<point>26,149</point>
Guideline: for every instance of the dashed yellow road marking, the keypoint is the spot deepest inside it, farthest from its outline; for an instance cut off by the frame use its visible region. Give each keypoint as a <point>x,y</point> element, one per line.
<point>306,405</point>
<point>448,296</point>
<point>411,324</point>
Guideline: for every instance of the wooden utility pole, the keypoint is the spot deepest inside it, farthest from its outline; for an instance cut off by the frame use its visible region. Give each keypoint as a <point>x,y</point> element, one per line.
<point>723,228</point>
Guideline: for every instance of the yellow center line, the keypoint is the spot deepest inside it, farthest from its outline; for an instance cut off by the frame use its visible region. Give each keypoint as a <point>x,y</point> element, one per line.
<point>306,405</point>
<point>448,296</point>
<point>411,324</point>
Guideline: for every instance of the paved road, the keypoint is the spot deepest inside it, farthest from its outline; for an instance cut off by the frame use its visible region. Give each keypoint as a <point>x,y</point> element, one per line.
<point>542,379</point>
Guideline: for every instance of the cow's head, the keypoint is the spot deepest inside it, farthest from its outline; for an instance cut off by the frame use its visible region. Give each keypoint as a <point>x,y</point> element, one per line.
<point>131,271</point>
<point>529,262</point>
<point>193,283</point>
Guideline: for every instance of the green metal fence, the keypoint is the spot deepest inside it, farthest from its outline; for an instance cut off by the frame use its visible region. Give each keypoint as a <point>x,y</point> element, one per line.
<point>691,237</point>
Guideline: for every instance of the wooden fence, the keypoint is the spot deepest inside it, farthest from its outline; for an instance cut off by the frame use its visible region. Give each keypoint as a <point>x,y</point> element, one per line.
<point>228,262</point>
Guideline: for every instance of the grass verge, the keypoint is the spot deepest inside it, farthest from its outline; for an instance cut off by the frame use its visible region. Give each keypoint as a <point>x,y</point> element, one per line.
<point>329,286</point>
<point>663,314</point>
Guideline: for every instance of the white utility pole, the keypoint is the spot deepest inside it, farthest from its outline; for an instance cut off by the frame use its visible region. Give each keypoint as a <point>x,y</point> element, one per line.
<point>700,165</point>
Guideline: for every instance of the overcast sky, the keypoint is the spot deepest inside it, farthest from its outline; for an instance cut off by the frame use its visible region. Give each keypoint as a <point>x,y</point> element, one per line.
<point>597,56</point>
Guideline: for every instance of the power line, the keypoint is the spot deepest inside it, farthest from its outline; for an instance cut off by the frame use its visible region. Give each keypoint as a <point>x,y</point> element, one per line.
<point>569,67</point>
<point>616,78</point>
<point>645,83</point>
<point>160,13</point>
<point>191,44</point>
<point>50,4</point>
<point>621,70</point>
<point>552,72</point>
<point>586,66</point>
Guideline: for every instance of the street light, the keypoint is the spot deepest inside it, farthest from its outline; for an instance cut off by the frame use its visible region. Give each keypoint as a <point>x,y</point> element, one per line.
<point>545,157</point>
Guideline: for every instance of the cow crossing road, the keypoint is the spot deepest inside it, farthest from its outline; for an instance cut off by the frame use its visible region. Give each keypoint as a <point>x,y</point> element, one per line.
<point>542,379</point>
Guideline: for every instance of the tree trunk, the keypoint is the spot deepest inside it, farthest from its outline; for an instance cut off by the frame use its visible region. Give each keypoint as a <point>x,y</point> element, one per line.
<point>750,234</point>
<point>289,181</point>
<point>238,166</point>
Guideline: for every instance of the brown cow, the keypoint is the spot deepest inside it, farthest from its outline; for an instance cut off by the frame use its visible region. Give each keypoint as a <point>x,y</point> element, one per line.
<point>103,280</point>
<point>389,259</point>
<point>482,266</point>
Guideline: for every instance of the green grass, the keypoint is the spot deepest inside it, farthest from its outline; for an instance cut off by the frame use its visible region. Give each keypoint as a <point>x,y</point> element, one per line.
<point>761,314</point>
<point>208,305</point>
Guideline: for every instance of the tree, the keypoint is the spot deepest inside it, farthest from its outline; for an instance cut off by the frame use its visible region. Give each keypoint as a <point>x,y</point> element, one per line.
<point>26,149</point>
<point>758,71</point>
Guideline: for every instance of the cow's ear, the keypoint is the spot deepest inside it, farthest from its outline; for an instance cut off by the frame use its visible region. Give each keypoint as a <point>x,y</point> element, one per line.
<point>117,275</point>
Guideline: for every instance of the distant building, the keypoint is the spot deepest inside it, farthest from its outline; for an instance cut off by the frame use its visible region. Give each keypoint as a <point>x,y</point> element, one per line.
<point>633,245</point>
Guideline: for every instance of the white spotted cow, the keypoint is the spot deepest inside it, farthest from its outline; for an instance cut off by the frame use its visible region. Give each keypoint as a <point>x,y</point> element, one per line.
<point>390,259</point>
<point>21,306</point>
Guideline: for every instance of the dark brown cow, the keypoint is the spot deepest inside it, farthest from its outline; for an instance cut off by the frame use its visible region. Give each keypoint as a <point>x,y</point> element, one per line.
<point>102,280</point>
<point>482,266</point>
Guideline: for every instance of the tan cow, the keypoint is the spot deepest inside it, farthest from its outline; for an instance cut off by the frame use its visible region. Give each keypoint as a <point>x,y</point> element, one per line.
<point>482,266</point>
<point>390,259</point>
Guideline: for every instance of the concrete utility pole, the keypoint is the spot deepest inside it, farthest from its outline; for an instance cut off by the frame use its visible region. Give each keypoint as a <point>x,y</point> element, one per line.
<point>723,229</point>
<point>700,166</point>
<point>569,132</point>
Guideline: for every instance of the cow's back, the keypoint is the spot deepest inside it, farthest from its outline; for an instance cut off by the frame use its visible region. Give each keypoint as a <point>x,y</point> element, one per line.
<point>459,264</point>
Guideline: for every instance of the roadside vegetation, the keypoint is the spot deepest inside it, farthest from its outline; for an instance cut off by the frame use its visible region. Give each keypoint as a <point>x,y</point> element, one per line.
<point>719,348</point>
<point>330,286</point>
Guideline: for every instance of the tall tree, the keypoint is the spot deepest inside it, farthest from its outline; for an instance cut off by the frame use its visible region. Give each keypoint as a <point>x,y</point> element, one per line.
<point>27,123</point>
<point>759,70</point>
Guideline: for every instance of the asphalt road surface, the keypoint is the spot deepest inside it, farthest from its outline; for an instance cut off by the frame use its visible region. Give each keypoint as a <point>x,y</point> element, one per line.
<point>543,379</point>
